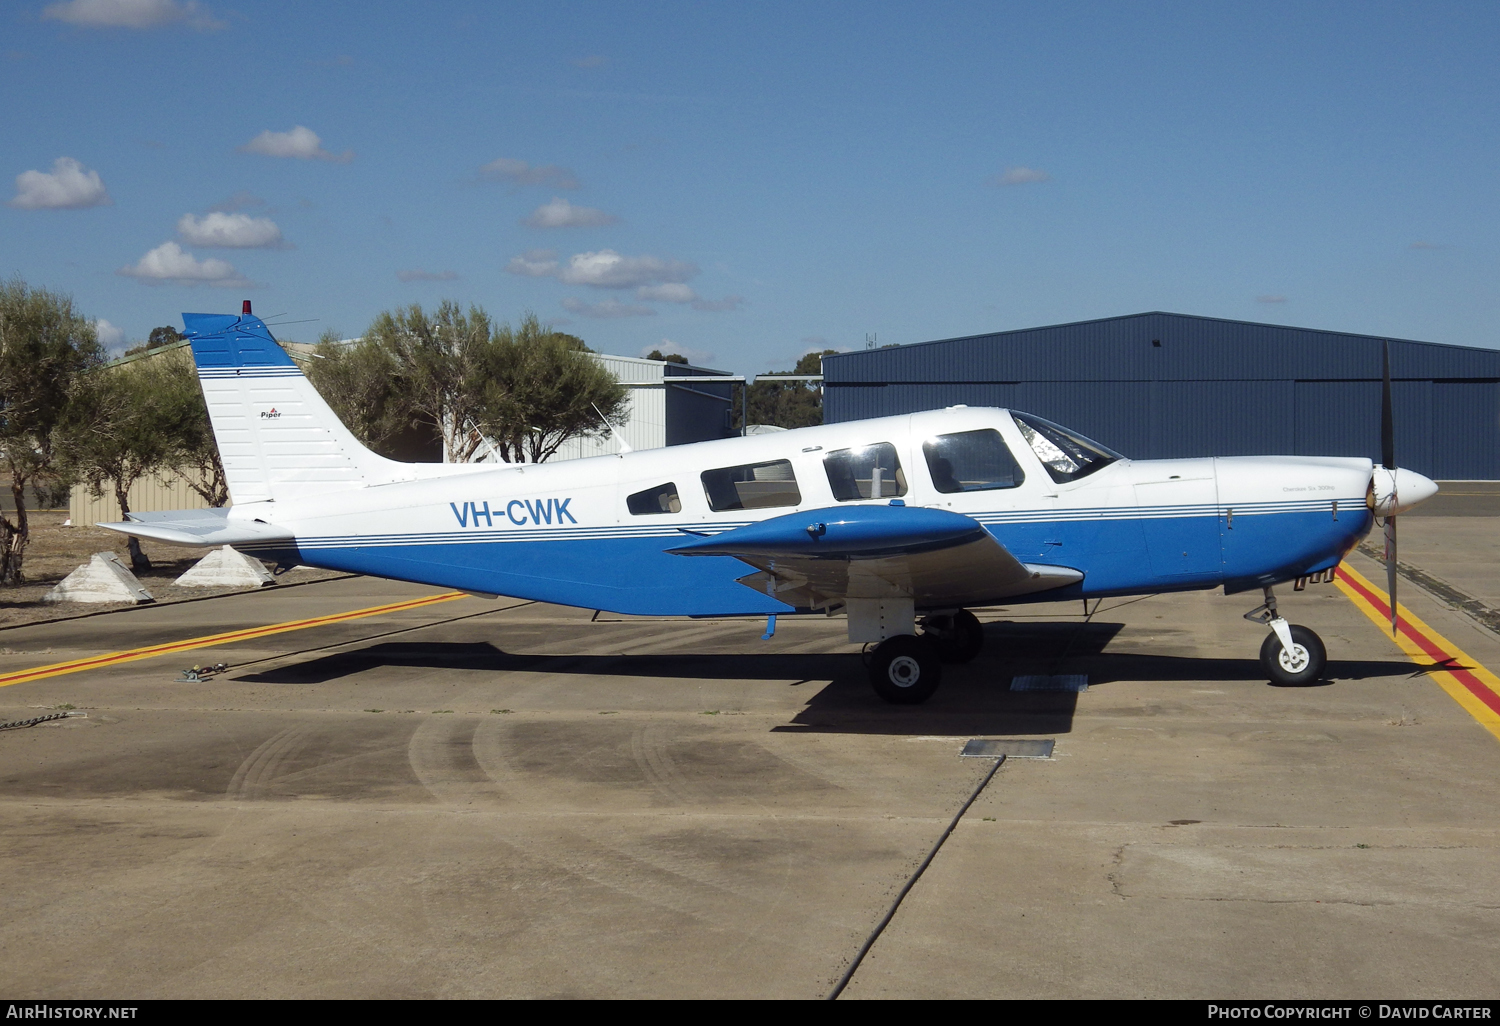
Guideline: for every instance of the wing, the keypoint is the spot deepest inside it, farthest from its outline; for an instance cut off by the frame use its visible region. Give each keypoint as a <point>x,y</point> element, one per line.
<point>210,527</point>
<point>818,559</point>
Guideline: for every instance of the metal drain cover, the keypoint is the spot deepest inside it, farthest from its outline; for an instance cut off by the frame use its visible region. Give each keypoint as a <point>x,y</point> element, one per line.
<point>985,748</point>
<point>1051,682</point>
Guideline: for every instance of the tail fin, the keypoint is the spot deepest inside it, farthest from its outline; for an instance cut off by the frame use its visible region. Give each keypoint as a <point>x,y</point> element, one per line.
<point>276,435</point>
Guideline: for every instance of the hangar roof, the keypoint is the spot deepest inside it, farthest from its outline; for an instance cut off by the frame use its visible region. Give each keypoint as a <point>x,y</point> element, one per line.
<point>1159,346</point>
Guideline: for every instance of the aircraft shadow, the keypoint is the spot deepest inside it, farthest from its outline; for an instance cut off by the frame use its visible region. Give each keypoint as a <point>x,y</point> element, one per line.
<point>974,700</point>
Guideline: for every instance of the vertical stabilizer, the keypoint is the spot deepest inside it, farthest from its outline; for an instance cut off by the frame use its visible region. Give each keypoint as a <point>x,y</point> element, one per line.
<point>276,435</point>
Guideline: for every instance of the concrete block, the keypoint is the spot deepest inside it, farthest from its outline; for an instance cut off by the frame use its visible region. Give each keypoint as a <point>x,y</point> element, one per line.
<point>226,568</point>
<point>104,578</point>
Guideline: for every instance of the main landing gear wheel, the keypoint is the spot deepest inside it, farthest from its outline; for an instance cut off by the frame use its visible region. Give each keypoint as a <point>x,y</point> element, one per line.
<point>959,637</point>
<point>1302,665</point>
<point>905,669</point>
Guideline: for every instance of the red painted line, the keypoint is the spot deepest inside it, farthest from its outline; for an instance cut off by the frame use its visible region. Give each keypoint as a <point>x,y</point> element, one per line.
<point>1471,683</point>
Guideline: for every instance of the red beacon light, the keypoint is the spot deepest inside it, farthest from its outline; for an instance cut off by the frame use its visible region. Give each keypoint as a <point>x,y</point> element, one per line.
<point>245,309</point>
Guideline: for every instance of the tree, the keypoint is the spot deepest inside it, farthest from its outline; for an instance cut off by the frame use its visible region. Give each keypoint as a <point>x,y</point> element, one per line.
<point>542,388</point>
<point>790,404</point>
<point>436,362</point>
<point>171,381</point>
<point>360,381</point>
<point>145,417</point>
<point>520,392</point>
<point>656,354</point>
<point>45,349</point>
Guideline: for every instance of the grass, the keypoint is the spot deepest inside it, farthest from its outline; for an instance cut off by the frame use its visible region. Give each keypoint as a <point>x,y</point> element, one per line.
<point>502,712</point>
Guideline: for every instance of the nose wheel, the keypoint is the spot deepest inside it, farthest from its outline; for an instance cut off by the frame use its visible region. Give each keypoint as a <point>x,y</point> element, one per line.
<point>1292,655</point>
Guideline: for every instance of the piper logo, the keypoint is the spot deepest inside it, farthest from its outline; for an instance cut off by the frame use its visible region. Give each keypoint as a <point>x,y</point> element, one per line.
<point>521,512</point>
<point>270,414</point>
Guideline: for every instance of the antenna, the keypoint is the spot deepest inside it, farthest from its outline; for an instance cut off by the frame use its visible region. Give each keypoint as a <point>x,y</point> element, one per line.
<point>871,339</point>
<point>624,445</point>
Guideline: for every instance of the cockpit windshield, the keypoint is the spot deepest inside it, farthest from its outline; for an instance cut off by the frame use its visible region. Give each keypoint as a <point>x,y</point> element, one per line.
<point>1067,455</point>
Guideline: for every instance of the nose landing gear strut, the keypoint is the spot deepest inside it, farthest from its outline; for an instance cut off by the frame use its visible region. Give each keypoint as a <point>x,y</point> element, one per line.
<point>1292,654</point>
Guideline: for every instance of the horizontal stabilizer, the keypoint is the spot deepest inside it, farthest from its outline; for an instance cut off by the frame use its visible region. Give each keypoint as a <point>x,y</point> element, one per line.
<point>821,558</point>
<point>205,527</point>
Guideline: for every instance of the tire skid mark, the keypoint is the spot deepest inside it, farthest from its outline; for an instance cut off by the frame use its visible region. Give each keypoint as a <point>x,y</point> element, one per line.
<point>442,755</point>
<point>648,746</point>
<point>255,775</point>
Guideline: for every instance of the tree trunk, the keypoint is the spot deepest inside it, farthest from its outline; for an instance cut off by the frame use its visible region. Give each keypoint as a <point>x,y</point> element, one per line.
<point>138,559</point>
<point>14,536</point>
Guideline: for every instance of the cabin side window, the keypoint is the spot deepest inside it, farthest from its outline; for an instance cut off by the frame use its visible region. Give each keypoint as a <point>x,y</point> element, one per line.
<point>971,461</point>
<point>753,486</point>
<point>1066,454</point>
<point>661,499</point>
<point>869,472</point>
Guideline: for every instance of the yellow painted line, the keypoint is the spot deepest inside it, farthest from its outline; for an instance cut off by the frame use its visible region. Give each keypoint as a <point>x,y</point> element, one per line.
<point>1466,680</point>
<point>210,640</point>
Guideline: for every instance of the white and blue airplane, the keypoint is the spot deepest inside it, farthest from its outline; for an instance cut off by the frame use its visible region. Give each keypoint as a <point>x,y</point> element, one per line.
<point>902,524</point>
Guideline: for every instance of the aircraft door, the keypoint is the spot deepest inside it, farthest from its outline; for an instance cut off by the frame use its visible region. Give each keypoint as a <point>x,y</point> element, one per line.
<point>1180,521</point>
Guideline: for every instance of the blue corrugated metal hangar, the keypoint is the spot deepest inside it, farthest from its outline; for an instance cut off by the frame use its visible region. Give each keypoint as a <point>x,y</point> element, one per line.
<point>1164,385</point>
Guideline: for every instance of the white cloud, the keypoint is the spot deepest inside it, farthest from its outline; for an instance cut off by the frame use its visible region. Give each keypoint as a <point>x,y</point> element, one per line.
<point>672,293</point>
<point>718,305</point>
<point>109,336</point>
<point>301,142</point>
<point>417,275</point>
<point>1270,299</point>
<point>607,269</point>
<point>534,263</point>
<point>698,357</point>
<point>1020,176</point>
<point>136,14</point>
<point>562,214</point>
<point>607,309</point>
<point>169,262</point>
<point>508,169</point>
<point>230,231</point>
<point>66,186</point>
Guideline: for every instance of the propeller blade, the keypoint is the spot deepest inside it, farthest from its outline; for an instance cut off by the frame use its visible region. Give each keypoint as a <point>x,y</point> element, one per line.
<point>1388,458</point>
<point>1387,421</point>
<point>1390,567</point>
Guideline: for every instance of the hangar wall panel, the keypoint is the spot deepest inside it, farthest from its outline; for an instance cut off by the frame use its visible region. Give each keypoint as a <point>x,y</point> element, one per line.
<point>1162,385</point>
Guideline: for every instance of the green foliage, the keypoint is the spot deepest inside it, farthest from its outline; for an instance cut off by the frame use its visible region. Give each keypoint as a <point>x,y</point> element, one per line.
<point>522,391</point>
<point>162,336</point>
<point>45,349</point>
<point>789,404</point>
<point>359,380</point>
<point>540,389</point>
<point>146,416</point>
<point>656,354</point>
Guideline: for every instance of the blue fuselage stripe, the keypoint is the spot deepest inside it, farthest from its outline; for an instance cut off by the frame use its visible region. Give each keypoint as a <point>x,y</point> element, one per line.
<point>629,571</point>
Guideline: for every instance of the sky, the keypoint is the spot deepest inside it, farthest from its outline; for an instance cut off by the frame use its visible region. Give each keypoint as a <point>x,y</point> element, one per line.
<point>743,183</point>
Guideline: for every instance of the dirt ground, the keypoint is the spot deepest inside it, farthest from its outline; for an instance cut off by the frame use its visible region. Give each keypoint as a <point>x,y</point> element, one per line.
<point>56,551</point>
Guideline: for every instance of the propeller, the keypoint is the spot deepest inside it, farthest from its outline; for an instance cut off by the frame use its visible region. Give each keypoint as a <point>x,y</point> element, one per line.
<point>1388,458</point>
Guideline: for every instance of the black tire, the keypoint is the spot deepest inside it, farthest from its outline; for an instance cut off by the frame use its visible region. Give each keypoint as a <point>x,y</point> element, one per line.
<point>959,638</point>
<point>1305,664</point>
<point>906,670</point>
